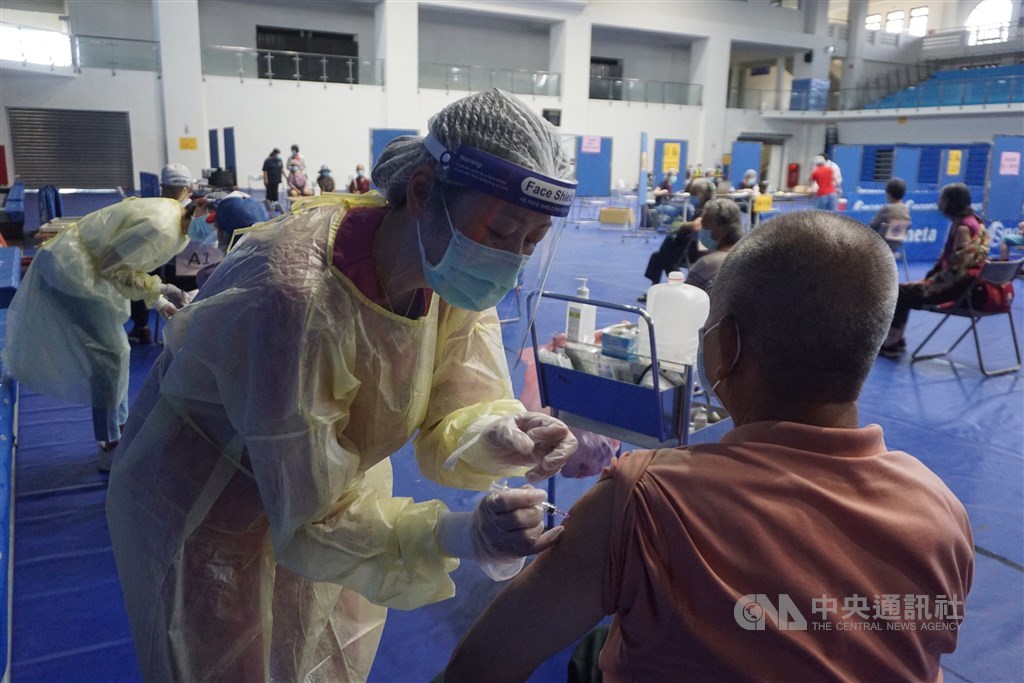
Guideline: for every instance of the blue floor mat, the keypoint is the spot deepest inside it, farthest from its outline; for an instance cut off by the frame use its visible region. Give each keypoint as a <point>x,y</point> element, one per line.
<point>69,621</point>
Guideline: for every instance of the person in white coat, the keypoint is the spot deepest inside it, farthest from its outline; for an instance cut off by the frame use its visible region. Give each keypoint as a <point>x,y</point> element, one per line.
<point>250,504</point>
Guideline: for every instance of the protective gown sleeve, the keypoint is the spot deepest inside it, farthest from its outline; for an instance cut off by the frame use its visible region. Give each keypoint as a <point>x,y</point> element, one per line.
<point>288,389</point>
<point>471,387</point>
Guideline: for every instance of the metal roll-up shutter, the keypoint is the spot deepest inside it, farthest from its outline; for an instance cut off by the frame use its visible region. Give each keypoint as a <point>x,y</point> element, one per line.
<point>71,148</point>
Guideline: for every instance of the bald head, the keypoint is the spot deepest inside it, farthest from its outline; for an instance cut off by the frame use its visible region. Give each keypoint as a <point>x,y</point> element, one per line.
<point>813,295</point>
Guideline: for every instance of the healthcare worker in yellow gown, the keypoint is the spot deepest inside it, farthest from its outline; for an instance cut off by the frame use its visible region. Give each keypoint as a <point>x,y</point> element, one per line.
<point>66,322</point>
<point>250,504</point>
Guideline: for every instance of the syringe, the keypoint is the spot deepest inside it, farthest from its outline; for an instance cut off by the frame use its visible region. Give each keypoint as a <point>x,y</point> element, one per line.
<point>544,505</point>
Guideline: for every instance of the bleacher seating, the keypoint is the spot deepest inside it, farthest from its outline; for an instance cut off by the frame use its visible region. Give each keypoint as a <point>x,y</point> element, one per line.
<point>12,213</point>
<point>10,273</point>
<point>956,87</point>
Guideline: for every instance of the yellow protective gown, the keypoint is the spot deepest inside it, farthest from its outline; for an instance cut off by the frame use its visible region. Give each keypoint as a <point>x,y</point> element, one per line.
<point>66,323</point>
<point>250,502</point>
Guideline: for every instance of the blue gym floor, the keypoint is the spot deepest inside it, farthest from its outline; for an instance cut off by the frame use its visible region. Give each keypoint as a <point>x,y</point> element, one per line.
<point>69,619</point>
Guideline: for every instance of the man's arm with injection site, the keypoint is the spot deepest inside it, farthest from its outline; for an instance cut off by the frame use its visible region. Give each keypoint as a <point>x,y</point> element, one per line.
<point>552,603</point>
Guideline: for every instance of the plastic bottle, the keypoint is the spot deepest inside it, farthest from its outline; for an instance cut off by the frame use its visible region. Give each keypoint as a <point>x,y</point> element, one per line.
<point>679,311</point>
<point>700,418</point>
<point>581,319</point>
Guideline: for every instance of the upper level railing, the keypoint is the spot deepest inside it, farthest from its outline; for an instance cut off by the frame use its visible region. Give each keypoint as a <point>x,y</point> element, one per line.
<point>30,45</point>
<point>115,53</point>
<point>639,90</point>
<point>476,78</point>
<point>947,93</point>
<point>246,62</point>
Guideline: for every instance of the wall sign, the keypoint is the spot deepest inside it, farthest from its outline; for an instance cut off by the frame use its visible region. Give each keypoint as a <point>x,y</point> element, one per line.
<point>1009,163</point>
<point>591,144</point>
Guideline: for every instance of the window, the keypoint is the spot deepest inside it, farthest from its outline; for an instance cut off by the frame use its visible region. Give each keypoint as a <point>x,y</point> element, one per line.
<point>918,21</point>
<point>34,46</point>
<point>989,22</point>
<point>894,21</point>
<point>323,56</point>
<point>873,22</point>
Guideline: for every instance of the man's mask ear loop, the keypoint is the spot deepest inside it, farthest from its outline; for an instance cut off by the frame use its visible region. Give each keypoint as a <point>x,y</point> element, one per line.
<point>735,359</point>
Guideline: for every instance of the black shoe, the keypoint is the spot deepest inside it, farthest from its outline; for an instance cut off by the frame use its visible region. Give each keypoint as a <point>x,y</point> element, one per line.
<point>893,350</point>
<point>642,298</point>
<point>141,334</point>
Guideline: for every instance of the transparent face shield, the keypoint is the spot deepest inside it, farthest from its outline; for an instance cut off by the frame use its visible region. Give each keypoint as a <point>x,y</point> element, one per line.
<point>523,214</point>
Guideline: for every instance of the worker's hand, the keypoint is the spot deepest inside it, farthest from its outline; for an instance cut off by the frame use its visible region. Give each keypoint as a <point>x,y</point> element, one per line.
<point>535,439</point>
<point>165,308</point>
<point>505,527</point>
<point>173,294</point>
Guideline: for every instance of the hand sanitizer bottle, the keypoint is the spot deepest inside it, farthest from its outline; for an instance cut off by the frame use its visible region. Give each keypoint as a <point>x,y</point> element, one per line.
<point>581,319</point>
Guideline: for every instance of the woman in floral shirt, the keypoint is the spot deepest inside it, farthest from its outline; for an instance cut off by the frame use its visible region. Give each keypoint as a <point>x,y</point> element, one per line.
<point>966,250</point>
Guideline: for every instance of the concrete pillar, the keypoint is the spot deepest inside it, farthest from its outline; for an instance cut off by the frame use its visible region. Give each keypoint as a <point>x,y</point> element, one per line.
<point>569,56</point>
<point>176,25</point>
<point>780,82</point>
<point>709,66</point>
<point>397,37</point>
<point>737,86</point>
<point>853,71</point>
<point>815,23</point>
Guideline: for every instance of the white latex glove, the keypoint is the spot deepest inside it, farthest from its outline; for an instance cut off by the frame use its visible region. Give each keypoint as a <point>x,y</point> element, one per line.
<point>505,527</point>
<point>523,440</point>
<point>531,439</point>
<point>173,294</point>
<point>165,308</point>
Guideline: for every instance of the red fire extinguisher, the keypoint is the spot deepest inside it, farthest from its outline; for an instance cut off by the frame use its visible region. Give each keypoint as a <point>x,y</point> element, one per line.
<point>793,176</point>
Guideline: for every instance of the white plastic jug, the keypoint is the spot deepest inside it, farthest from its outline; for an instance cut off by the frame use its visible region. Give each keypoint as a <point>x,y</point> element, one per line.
<point>679,310</point>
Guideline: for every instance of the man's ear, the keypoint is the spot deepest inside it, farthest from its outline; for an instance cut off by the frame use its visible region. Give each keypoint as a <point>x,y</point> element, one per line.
<point>728,346</point>
<point>418,190</point>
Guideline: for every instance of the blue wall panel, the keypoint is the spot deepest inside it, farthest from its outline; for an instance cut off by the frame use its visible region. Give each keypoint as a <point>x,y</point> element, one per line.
<point>1004,205</point>
<point>744,155</point>
<point>214,148</point>
<point>594,169</point>
<point>905,163</point>
<point>849,158</point>
<point>659,159</point>
<point>229,151</point>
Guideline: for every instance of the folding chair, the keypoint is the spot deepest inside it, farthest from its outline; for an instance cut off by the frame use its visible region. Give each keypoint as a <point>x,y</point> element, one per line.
<point>996,273</point>
<point>895,235</point>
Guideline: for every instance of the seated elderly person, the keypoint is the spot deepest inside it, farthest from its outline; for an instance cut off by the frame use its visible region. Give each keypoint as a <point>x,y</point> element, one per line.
<point>721,228</point>
<point>800,546</point>
<point>681,246</point>
<point>894,208</point>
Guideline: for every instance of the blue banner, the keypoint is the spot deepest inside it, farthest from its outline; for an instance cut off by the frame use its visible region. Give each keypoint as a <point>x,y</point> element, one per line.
<point>928,228</point>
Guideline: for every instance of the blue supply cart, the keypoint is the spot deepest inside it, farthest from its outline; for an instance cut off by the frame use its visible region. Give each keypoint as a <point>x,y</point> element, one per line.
<point>656,416</point>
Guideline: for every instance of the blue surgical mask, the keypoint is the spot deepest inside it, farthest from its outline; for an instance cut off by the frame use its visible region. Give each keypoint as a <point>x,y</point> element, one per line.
<point>201,232</point>
<point>707,240</point>
<point>702,373</point>
<point>360,174</point>
<point>471,275</point>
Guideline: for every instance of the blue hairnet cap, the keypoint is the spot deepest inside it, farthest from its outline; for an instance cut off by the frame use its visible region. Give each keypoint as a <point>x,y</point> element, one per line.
<point>239,212</point>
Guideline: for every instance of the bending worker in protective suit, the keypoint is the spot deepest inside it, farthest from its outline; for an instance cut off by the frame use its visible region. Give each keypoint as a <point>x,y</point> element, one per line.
<point>250,502</point>
<point>66,323</point>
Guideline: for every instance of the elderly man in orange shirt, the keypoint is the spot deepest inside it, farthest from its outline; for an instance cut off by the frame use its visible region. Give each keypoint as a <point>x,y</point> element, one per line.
<point>799,547</point>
